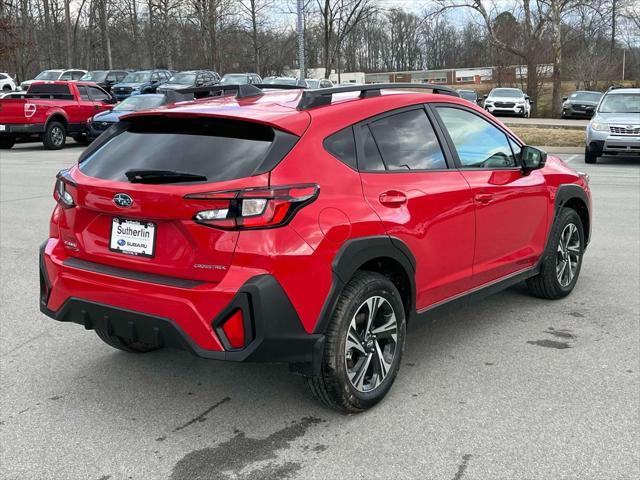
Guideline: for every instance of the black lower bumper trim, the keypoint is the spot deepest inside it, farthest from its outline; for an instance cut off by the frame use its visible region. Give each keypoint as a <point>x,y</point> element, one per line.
<point>276,336</point>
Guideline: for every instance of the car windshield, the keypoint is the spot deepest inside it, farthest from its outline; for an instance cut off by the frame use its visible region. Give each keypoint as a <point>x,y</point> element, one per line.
<point>137,77</point>
<point>49,75</point>
<point>281,81</point>
<point>468,95</point>
<point>312,83</point>
<point>586,96</point>
<point>97,76</point>
<point>507,92</point>
<point>183,78</point>
<point>234,80</point>
<point>139,102</point>
<point>620,103</point>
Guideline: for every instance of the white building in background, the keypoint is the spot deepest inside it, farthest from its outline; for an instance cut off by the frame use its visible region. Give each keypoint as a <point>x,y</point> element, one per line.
<point>349,77</point>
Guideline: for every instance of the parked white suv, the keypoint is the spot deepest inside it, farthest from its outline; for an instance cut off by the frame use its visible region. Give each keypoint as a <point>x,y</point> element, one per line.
<point>508,101</point>
<point>615,127</point>
<point>53,75</point>
<point>7,84</point>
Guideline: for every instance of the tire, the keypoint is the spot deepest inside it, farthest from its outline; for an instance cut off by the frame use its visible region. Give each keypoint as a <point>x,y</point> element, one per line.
<point>333,386</point>
<point>55,136</point>
<point>82,140</point>
<point>7,142</point>
<point>124,345</point>
<point>6,88</point>
<point>555,281</point>
<point>589,157</point>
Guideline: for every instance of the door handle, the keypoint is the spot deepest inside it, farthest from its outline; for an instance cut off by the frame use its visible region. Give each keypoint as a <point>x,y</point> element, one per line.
<point>392,198</point>
<point>96,107</point>
<point>484,198</point>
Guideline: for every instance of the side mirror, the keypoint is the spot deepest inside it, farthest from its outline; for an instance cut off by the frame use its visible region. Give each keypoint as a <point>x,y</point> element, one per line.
<point>564,99</point>
<point>485,96</point>
<point>532,158</point>
<point>110,101</point>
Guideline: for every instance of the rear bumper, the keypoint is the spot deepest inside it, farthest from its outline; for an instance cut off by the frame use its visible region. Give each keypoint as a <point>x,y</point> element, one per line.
<point>272,327</point>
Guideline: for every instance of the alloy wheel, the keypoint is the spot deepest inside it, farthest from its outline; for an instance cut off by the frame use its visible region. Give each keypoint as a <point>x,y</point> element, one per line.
<point>568,254</point>
<point>371,344</point>
<point>57,136</point>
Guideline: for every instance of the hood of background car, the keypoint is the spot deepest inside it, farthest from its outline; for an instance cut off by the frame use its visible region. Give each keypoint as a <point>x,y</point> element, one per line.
<point>131,85</point>
<point>174,86</point>
<point>505,99</point>
<point>109,116</point>
<point>575,101</point>
<point>617,118</point>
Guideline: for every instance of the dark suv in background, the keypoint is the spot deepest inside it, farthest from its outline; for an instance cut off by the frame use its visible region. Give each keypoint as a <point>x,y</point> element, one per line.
<point>143,81</point>
<point>580,104</point>
<point>105,78</point>
<point>189,79</point>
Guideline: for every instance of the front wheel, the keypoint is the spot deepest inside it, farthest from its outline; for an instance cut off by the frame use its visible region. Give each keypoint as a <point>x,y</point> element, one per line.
<point>589,157</point>
<point>561,263</point>
<point>363,345</point>
<point>55,136</point>
<point>7,142</point>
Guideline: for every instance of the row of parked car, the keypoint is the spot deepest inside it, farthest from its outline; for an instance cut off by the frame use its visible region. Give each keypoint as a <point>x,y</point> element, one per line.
<point>82,105</point>
<point>123,83</point>
<point>513,101</point>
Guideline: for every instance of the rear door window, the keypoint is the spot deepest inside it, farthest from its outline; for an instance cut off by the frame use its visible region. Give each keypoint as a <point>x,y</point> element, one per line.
<point>407,142</point>
<point>219,149</point>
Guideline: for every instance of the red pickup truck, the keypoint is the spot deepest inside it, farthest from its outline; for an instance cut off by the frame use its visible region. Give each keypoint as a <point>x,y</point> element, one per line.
<point>50,111</point>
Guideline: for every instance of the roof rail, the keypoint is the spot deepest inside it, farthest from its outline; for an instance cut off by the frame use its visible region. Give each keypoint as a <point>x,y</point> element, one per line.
<point>242,91</point>
<point>278,86</point>
<point>323,96</point>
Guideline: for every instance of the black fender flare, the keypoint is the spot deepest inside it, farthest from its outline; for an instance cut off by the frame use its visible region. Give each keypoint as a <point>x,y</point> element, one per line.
<point>355,253</point>
<point>567,192</point>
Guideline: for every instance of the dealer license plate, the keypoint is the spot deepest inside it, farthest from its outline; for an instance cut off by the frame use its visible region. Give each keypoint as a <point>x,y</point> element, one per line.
<point>133,237</point>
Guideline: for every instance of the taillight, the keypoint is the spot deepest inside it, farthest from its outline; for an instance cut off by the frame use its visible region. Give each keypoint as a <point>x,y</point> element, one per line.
<point>254,207</point>
<point>61,192</point>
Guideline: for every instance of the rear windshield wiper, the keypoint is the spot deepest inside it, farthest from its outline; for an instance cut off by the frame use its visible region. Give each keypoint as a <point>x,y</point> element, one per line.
<point>162,176</point>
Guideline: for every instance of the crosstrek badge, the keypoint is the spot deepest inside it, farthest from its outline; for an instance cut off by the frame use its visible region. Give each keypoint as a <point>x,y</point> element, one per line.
<point>133,237</point>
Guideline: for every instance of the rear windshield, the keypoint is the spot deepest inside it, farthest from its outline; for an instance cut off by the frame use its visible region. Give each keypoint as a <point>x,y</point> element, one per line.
<point>218,149</point>
<point>49,88</point>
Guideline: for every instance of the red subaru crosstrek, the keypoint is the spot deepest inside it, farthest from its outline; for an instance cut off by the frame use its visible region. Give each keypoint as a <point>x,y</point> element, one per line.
<point>306,227</point>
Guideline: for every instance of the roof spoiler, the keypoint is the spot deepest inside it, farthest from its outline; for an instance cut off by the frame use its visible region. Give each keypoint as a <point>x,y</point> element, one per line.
<point>323,96</point>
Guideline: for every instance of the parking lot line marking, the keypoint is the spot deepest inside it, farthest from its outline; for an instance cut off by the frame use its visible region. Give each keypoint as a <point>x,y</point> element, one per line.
<point>571,158</point>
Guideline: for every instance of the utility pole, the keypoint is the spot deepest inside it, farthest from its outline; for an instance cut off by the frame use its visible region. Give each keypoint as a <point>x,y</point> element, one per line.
<point>303,73</point>
<point>624,59</point>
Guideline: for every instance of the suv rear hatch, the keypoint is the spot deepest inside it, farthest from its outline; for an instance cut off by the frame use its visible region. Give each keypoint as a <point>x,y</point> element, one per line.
<point>131,192</point>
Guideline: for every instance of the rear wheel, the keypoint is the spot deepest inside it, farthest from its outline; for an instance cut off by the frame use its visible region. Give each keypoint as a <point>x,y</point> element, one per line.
<point>363,346</point>
<point>562,261</point>
<point>55,136</point>
<point>7,142</point>
<point>589,157</point>
<point>122,344</point>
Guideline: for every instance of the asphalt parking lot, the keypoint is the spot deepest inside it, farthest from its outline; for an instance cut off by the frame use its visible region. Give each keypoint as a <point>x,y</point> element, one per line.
<point>510,388</point>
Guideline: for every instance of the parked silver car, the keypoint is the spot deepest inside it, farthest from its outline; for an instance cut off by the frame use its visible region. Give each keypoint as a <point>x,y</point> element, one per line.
<point>615,127</point>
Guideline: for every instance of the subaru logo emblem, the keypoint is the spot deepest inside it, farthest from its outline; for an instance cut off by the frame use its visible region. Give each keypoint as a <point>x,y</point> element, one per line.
<point>121,242</point>
<point>122,200</point>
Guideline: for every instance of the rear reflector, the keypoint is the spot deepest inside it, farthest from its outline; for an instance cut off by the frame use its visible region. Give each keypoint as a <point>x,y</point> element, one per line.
<point>233,329</point>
